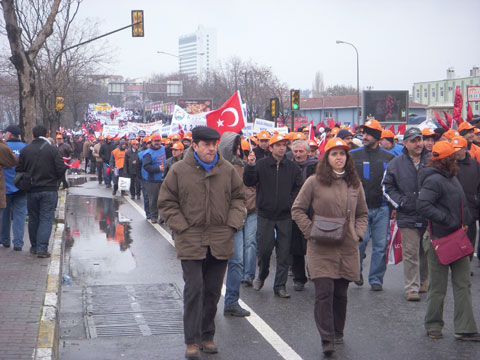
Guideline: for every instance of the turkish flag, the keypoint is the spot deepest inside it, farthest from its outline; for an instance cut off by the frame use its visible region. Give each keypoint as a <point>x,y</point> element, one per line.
<point>321,147</point>
<point>311,133</point>
<point>469,113</point>
<point>392,129</point>
<point>401,128</point>
<point>229,117</point>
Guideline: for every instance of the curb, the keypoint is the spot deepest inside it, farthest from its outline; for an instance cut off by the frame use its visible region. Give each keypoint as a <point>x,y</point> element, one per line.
<point>48,333</point>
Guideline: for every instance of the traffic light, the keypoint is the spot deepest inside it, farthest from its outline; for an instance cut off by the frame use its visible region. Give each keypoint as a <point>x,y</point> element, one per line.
<point>295,99</point>
<point>274,104</point>
<point>59,103</point>
<point>137,23</point>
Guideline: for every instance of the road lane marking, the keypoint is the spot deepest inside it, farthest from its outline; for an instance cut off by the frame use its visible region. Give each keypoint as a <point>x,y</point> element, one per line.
<point>283,349</point>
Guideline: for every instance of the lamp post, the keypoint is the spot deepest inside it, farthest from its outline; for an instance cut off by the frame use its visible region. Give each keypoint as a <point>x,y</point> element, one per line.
<point>178,57</point>
<point>358,79</point>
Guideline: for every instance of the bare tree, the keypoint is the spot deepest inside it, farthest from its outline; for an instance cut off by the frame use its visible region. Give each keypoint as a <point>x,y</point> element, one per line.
<point>318,87</point>
<point>22,57</point>
<point>340,90</point>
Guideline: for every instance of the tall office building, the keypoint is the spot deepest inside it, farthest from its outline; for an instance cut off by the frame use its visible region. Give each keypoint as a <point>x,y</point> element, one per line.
<point>197,52</point>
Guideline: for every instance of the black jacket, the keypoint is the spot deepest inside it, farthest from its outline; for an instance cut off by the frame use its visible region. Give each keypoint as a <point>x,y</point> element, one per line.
<point>469,177</point>
<point>400,188</point>
<point>46,165</point>
<point>260,153</point>
<point>169,163</point>
<point>440,199</point>
<point>106,151</point>
<point>277,186</point>
<point>370,165</point>
<point>129,166</point>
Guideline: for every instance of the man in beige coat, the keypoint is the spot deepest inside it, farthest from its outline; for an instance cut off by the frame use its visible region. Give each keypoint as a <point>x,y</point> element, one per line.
<point>202,200</point>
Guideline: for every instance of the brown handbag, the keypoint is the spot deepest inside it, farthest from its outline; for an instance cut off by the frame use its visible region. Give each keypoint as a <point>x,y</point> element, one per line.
<point>330,230</point>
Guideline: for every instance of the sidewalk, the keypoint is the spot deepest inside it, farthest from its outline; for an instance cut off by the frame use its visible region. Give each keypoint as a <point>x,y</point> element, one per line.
<point>24,279</point>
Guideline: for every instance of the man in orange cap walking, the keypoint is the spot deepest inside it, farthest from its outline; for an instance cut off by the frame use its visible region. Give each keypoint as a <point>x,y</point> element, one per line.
<point>278,181</point>
<point>370,162</point>
<point>467,131</point>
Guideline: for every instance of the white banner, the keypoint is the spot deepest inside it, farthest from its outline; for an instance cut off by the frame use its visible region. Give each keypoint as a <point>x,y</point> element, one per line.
<point>248,130</point>
<point>144,129</point>
<point>282,130</point>
<point>426,124</point>
<point>165,131</point>
<point>186,121</point>
<point>261,124</point>
<point>110,130</point>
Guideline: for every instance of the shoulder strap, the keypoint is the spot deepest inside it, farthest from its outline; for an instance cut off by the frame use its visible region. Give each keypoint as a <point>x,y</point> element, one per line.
<point>37,156</point>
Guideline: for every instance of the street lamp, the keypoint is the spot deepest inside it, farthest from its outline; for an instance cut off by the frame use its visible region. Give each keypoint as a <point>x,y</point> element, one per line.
<point>358,79</point>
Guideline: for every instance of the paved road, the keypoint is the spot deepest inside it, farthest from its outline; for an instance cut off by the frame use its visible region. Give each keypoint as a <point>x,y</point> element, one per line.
<point>113,252</point>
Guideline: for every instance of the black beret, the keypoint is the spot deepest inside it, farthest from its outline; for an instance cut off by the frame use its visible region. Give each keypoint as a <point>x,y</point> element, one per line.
<point>205,133</point>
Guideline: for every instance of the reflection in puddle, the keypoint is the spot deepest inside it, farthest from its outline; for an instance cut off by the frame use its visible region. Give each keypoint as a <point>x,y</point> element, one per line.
<point>79,180</point>
<point>98,236</point>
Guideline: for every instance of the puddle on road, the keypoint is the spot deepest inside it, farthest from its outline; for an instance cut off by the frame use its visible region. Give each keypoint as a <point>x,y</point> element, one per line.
<point>97,237</point>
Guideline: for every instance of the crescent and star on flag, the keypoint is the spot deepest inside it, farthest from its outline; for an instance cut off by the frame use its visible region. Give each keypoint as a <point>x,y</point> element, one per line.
<point>235,114</point>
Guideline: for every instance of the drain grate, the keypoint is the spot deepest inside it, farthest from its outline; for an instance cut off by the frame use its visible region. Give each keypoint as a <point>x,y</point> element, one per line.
<point>133,310</point>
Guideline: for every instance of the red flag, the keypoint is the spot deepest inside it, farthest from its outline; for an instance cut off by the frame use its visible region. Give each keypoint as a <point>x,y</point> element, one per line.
<point>392,129</point>
<point>311,133</point>
<point>180,130</point>
<point>84,129</point>
<point>469,113</point>
<point>457,106</point>
<point>355,127</point>
<point>449,119</point>
<point>331,123</point>
<point>321,147</point>
<point>338,124</point>
<point>401,128</point>
<point>75,164</point>
<point>229,117</point>
<point>439,120</point>
<point>322,124</point>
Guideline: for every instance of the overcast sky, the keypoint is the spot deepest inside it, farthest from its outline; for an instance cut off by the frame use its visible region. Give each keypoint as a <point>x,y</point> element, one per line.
<point>399,42</point>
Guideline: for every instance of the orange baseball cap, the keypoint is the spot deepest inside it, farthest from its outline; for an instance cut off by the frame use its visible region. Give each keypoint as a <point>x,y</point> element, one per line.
<point>298,136</point>
<point>245,145</point>
<point>450,134</point>
<point>277,138</point>
<point>373,124</point>
<point>134,142</point>
<point>156,137</point>
<point>428,132</point>
<point>334,131</point>
<point>465,126</point>
<point>175,137</point>
<point>387,134</point>
<point>178,146</point>
<point>459,142</point>
<point>59,136</point>
<point>263,135</point>
<point>336,142</point>
<point>101,138</point>
<point>442,149</point>
<point>146,139</point>
<point>253,139</point>
<point>313,144</point>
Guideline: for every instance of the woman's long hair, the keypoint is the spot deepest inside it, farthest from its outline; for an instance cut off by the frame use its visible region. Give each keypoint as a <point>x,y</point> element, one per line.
<point>325,174</point>
<point>448,164</point>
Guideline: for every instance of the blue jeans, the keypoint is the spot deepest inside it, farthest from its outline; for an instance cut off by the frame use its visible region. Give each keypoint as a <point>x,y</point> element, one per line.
<point>235,271</point>
<point>106,178</point>
<point>146,204</point>
<point>41,212</point>
<point>16,208</point>
<point>378,224</point>
<point>250,246</point>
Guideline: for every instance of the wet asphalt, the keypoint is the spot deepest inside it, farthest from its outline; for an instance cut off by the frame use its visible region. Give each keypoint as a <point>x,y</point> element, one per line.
<point>110,245</point>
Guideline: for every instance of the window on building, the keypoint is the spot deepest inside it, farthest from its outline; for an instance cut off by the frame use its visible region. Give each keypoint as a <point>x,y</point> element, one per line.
<point>425,92</point>
<point>433,92</point>
<point>417,93</point>
<point>476,106</point>
<point>328,114</point>
<point>441,91</point>
<point>450,88</point>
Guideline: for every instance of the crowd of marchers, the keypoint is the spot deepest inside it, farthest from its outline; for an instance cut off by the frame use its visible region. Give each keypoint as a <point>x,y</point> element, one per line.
<point>231,200</point>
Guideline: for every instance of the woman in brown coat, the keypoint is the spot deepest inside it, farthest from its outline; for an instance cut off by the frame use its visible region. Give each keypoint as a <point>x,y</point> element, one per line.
<point>332,266</point>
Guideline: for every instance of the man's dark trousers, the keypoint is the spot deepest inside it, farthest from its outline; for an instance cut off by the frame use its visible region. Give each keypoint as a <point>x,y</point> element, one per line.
<point>266,241</point>
<point>203,287</point>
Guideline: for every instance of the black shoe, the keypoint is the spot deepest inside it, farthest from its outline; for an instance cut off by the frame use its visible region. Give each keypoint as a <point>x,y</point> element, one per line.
<point>359,282</point>
<point>338,340</point>
<point>17,249</point>
<point>154,221</point>
<point>247,282</point>
<point>235,310</point>
<point>132,197</point>
<point>5,246</point>
<point>376,287</point>
<point>328,348</point>
<point>33,251</point>
<point>468,337</point>
<point>43,255</point>
<point>114,192</point>
<point>138,197</point>
<point>434,334</point>
<point>282,293</point>
<point>298,286</point>
<point>108,186</point>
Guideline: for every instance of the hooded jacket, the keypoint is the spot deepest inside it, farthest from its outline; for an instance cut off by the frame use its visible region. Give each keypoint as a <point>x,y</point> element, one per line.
<point>277,186</point>
<point>203,209</point>
<point>106,151</point>
<point>400,188</point>
<point>370,165</point>
<point>228,146</point>
<point>440,199</point>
